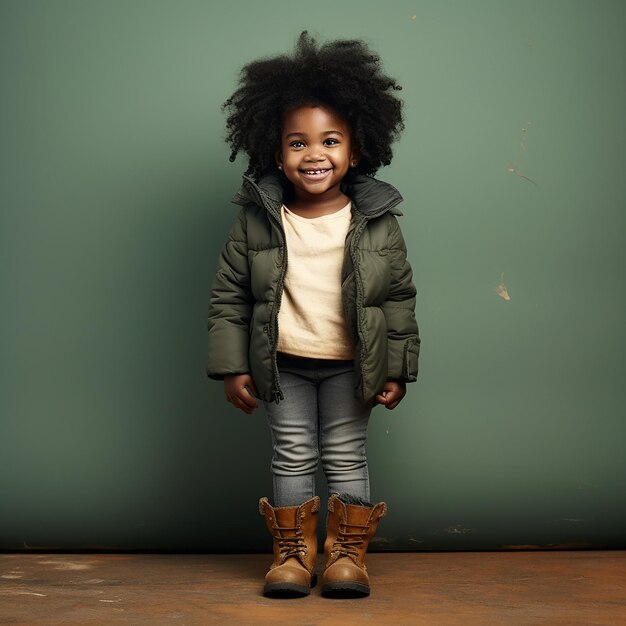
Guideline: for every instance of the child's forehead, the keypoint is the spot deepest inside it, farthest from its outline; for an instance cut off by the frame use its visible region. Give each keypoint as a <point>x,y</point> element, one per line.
<point>318,119</point>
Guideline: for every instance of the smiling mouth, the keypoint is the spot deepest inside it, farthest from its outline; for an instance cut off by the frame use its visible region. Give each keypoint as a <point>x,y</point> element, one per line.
<point>316,174</point>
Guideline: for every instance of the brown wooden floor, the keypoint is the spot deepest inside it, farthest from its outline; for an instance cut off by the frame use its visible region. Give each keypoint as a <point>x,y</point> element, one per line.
<point>468,588</point>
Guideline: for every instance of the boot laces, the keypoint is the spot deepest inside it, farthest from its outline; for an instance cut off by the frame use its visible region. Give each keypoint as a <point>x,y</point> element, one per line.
<point>292,544</point>
<point>348,543</point>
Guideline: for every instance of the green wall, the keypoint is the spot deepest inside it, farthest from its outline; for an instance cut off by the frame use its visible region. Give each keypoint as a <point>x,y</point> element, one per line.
<point>115,201</point>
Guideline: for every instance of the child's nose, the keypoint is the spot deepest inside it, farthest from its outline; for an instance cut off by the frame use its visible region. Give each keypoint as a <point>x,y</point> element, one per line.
<point>315,154</point>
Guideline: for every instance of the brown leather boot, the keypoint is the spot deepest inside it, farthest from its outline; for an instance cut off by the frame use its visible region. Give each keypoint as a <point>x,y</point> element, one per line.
<point>295,547</point>
<point>349,529</point>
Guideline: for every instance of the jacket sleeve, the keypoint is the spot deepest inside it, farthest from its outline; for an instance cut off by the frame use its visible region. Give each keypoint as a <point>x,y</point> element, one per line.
<point>230,307</point>
<point>399,309</point>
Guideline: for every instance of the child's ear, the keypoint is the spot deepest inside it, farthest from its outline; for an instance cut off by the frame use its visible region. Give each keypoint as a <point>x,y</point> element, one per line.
<point>354,158</point>
<point>279,159</point>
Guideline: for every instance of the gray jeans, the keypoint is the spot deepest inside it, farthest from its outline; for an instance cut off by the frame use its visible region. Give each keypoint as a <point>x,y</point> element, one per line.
<point>319,419</point>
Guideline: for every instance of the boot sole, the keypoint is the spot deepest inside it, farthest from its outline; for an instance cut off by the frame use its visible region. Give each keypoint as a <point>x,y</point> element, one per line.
<point>289,590</point>
<point>345,589</point>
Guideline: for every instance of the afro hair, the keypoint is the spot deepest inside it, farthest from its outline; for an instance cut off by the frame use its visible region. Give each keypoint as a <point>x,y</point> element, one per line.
<point>344,75</point>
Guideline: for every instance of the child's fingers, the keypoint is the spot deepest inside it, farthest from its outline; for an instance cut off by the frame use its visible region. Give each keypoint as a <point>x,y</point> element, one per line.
<point>238,403</point>
<point>395,397</point>
<point>243,400</point>
<point>252,388</point>
<point>247,398</point>
<point>239,391</point>
<point>391,396</point>
<point>248,389</point>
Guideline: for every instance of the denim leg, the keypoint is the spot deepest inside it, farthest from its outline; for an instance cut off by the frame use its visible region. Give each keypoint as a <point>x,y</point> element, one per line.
<point>294,430</point>
<point>343,433</point>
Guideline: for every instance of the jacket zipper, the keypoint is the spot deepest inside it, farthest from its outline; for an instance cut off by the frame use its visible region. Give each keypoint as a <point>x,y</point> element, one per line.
<point>356,237</point>
<point>277,392</point>
<point>359,294</point>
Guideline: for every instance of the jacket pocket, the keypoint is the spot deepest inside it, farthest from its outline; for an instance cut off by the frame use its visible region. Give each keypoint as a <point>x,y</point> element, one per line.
<point>411,356</point>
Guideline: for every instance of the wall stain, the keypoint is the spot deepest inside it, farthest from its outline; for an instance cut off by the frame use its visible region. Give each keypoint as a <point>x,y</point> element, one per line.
<point>501,289</point>
<point>515,169</point>
<point>380,541</point>
<point>457,529</point>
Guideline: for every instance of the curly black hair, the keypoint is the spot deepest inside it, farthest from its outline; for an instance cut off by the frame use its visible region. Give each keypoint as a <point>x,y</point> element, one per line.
<point>342,74</point>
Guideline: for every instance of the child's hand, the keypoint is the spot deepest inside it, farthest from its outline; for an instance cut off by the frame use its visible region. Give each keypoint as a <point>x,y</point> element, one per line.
<point>391,395</point>
<point>238,389</point>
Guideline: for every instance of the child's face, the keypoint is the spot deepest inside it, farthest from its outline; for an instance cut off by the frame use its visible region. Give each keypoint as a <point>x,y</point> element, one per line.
<point>316,151</point>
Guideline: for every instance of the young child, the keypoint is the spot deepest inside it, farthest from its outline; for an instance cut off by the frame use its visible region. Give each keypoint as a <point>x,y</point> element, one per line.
<point>312,306</point>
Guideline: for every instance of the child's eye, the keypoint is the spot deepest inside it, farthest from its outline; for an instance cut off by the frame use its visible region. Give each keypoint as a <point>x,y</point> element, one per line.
<point>331,142</point>
<point>296,144</point>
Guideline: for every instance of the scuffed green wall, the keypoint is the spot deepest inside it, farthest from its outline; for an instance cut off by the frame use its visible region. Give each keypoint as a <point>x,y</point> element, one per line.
<point>115,200</point>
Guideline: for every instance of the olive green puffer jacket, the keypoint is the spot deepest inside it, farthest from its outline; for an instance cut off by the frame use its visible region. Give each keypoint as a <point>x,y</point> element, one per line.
<point>377,290</point>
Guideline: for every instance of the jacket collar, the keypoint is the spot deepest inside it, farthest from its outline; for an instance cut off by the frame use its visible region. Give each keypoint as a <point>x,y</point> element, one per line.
<point>369,196</point>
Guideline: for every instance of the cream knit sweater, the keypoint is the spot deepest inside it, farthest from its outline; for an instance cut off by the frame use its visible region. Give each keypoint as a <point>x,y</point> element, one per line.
<point>311,320</point>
